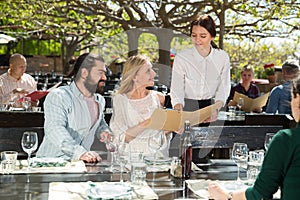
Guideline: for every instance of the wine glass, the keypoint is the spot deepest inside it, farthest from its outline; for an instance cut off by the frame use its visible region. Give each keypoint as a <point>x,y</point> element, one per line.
<point>268,139</point>
<point>240,103</point>
<point>156,143</point>
<point>112,148</point>
<point>29,143</point>
<point>26,103</point>
<point>239,156</point>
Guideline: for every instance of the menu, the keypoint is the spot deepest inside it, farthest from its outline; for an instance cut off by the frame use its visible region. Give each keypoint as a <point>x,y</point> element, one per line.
<point>173,120</point>
<point>249,103</point>
<point>36,95</point>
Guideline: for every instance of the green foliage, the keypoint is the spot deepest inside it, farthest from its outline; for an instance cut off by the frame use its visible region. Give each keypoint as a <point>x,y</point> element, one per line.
<point>270,71</point>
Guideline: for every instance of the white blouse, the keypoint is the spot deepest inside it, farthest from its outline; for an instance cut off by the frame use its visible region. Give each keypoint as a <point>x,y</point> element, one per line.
<point>196,77</point>
<point>130,112</point>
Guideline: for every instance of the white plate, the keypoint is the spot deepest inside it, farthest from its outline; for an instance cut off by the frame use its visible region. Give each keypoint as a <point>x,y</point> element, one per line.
<point>109,191</point>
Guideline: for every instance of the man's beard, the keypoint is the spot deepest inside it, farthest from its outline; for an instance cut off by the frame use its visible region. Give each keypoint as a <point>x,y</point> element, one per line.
<point>91,87</point>
<point>100,89</point>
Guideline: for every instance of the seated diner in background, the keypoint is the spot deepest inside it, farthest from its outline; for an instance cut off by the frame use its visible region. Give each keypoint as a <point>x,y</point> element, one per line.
<point>16,83</point>
<point>279,101</point>
<point>133,105</point>
<point>75,113</point>
<point>246,87</point>
<point>281,165</point>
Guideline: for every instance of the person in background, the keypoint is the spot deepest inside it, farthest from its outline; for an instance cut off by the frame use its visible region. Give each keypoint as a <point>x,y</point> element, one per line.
<point>201,74</point>
<point>281,165</point>
<point>133,105</point>
<point>16,83</point>
<point>280,97</point>
<point>246,87</point>
<point>74,113</point>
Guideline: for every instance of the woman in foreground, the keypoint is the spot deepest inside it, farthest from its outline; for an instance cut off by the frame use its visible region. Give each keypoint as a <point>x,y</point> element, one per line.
<point>281,166</point>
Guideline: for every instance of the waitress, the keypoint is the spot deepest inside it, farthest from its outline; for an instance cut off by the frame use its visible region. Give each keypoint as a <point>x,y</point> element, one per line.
<point>201,74</point>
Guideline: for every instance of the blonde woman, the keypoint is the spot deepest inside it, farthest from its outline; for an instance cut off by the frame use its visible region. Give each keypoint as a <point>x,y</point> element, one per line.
<point>246,87</point>
<point>133,105</point>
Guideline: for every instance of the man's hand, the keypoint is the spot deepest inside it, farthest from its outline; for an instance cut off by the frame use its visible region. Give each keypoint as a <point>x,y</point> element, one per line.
<point>91,157</point>
<point>20,91</point>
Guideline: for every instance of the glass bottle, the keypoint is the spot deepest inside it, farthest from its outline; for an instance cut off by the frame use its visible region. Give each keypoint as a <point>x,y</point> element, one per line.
<point>186,157</point>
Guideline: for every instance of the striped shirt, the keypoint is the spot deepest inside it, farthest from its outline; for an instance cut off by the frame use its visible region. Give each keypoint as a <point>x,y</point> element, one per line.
<point>69,129</point>
<point>9,83</point>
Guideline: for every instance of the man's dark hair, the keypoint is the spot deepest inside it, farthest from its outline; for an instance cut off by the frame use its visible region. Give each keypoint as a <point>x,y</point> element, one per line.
<point>291,66</point>
<point>86,60</point>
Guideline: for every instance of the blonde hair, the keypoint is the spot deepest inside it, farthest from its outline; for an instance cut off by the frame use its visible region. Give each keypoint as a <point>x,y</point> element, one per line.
<point>131,67</point>
<point>247,68</point>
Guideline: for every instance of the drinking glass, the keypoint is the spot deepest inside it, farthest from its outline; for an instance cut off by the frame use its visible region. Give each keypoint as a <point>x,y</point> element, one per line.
<point>29,143</point>
<point>240,156</point>
<point>268,139</point>
<point>255,161</point>
<point>240,103</point>
<point>12,101</point>
<point>122,157</point>
<point>26,103</point>
<point>112,148</point>
<point>155,143</point>
<point>3,105</point>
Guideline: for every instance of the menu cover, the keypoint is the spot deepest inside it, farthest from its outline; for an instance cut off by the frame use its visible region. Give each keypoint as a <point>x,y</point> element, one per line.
<point>38,94</point>
<point>173,120</point>
<point>249,103</point>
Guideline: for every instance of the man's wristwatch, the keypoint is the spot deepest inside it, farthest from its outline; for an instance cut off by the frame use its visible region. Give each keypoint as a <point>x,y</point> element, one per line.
<point>229,196</point>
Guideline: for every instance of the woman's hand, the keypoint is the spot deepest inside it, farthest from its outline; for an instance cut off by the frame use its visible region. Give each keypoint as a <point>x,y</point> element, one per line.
<point>212,118</point>
<point>178,107</point>
<point>216,192</point>
<point>231,103</point>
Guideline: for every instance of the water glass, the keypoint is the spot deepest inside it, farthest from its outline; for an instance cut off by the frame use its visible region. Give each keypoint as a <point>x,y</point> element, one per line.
<point>253,168</point>
<point>36,109</point>
<point>231,110</point>
<point>26,103</point>
<point>8,161</point>
<point>138,173</point>
<point>240,103</point>
<point>3,105</point>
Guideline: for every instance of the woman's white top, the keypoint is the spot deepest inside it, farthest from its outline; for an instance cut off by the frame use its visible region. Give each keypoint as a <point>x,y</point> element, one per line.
<point>130,112</point>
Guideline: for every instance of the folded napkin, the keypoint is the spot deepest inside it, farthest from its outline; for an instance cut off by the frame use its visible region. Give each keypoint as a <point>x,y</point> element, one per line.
<point>79,190</point>
<point>143,192</point>
<point>195,168</point>
<point>69,167</point>
<point>199,187</point>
